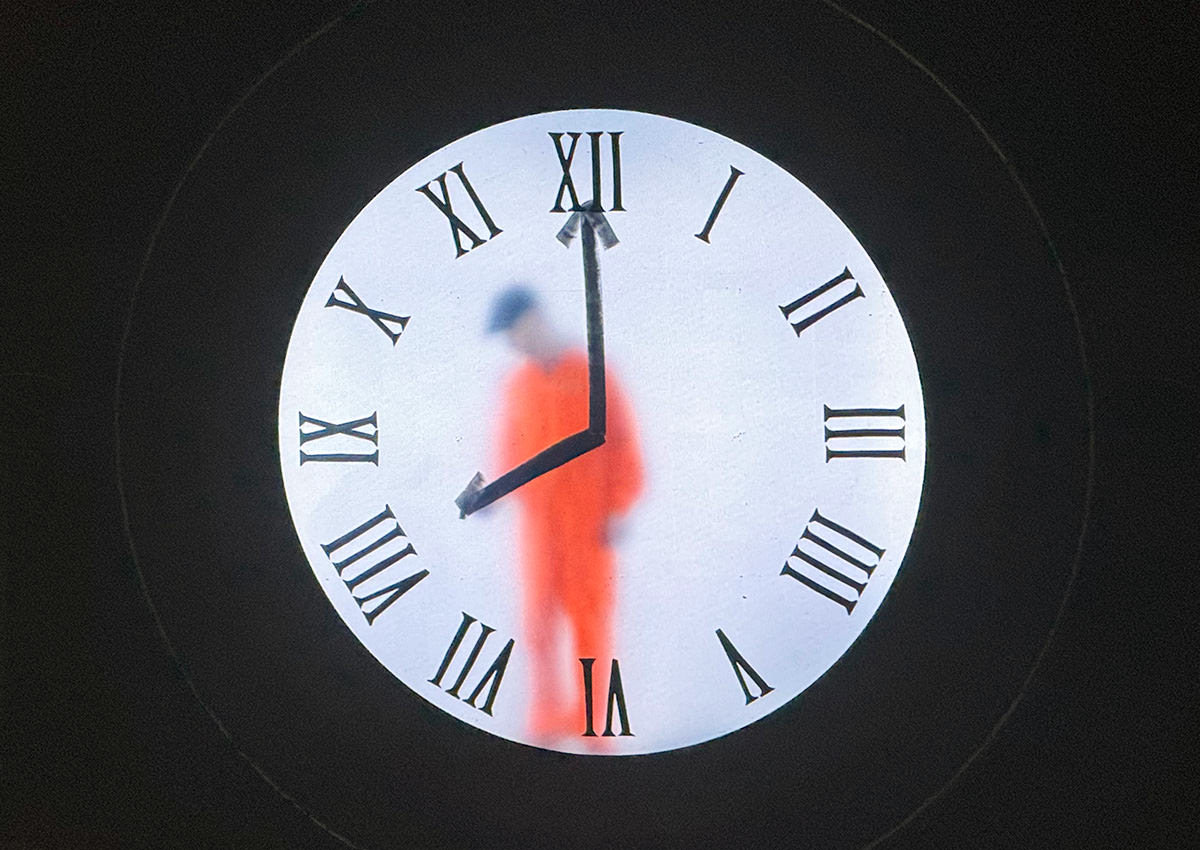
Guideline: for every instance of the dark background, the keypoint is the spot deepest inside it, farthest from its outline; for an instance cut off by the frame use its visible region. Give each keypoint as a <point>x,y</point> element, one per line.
<point>103,744</point>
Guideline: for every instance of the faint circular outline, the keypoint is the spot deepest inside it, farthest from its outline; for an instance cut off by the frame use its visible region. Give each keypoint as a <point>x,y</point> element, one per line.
<point>355,9</point>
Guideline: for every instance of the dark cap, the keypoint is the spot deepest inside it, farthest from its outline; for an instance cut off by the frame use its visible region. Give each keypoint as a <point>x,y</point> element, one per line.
<point>509,306</point>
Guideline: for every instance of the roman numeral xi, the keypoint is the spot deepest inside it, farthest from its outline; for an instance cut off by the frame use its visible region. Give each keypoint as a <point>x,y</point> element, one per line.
<point>833,561</point>
<point>457,225</point>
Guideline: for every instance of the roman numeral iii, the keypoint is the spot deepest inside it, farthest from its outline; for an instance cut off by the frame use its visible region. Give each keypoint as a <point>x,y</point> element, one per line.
<point>493,675</point>
<point>357,567</point>
<point>319,429</point>
<point>616,699</point>
<point>566,185</point>
<point>457,225</point>
<point>809,313</point>
<point>864,432</point>
<point>833,561</point>
<point>391,325</point>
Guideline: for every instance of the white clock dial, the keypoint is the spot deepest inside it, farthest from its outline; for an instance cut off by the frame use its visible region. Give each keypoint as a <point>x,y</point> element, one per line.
<point>769,378</point>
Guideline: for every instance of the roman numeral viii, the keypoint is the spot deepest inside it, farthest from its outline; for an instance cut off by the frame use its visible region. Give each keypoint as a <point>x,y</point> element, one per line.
<point>493,675</point>
<point>366,428</point>
<point>457,225</point>
<point>812,307</point>
<point>833,561</point>
<point>378,553</point>
<point>864,432</point>
<point>566,185</point>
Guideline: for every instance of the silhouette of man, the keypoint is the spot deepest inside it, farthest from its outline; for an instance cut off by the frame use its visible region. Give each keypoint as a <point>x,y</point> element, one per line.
<point>568,516</point>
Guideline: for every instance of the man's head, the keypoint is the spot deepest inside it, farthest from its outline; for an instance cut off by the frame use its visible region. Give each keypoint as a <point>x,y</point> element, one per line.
<point>516,312</point>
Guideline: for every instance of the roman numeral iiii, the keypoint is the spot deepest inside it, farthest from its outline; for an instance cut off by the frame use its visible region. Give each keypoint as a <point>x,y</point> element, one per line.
<point>833,561</point>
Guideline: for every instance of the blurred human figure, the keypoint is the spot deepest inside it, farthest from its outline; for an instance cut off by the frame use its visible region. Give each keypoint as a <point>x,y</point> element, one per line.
<point>568,517</point>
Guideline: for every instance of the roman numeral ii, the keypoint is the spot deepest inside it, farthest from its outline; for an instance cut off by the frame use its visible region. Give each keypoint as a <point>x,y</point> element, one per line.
<point>810,313</point>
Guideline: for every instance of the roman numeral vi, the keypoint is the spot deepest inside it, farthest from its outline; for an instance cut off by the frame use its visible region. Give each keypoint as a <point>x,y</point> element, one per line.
<point>811,313</point>
<point>616,699</point>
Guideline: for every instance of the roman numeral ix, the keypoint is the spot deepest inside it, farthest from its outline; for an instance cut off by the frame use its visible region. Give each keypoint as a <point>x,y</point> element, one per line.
<point>457,225</point>
<point>566,186</point>
<point>871,432</point>
<point>493,675</point>
<point>377,554</point>
<point>810,313</point>
<point>384,321</point>
<point>842,561</point>
<point>320,429</point>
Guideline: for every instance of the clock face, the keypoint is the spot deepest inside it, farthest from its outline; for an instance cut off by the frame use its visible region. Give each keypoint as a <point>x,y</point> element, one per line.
<point>764,441</point>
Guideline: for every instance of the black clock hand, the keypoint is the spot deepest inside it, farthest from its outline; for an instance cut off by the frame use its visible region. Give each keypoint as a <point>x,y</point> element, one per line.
<point>478,495</point>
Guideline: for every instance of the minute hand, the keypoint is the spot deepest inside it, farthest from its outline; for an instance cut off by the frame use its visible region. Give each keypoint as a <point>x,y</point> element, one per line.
<point>476,496</point>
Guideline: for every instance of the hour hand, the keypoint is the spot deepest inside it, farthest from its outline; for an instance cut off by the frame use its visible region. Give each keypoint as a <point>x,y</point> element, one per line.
<point>466,499</point>
<point>595,219</point>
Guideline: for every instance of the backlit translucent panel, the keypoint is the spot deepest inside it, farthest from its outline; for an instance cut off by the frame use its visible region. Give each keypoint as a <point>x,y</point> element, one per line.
<point>729,404</point>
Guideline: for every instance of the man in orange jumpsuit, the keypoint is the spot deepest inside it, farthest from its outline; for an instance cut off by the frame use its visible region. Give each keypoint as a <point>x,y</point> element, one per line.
<point>567,516</point>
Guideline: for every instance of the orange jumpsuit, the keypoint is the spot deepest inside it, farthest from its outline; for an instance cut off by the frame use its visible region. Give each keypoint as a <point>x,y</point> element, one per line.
<point>567,564</point>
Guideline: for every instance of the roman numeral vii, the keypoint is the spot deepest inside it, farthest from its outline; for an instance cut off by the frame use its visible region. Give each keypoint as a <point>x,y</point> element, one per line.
<point>492,676</point>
